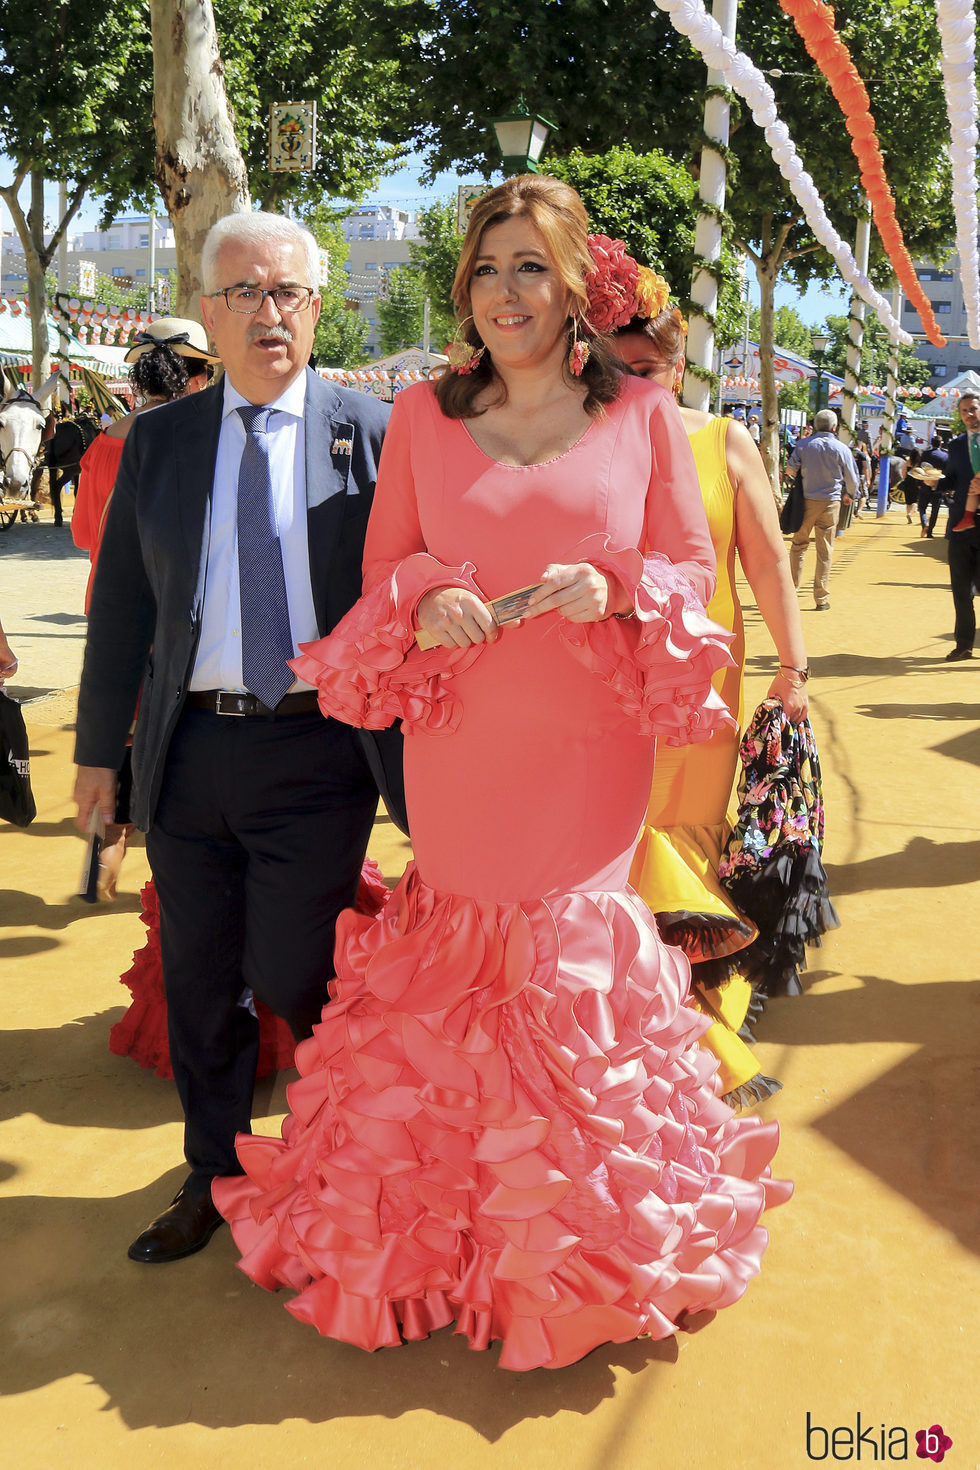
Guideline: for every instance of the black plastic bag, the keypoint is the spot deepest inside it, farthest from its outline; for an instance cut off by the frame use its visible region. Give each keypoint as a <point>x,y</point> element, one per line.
<point>794,508</point>
<point>16,798</point>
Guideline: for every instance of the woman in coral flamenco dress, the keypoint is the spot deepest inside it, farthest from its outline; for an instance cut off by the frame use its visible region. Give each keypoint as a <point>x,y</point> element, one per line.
<point>675,868</point>
<point>503,1119</point>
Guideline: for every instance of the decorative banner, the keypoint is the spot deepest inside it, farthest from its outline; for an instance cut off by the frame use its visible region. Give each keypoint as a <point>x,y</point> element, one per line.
<point>324,268</point>
<point>161,294</point>
<point>466,196</point>
<point>815,23</point>
<point>292,136</point>
<point>957,30</point>
<point>690,18</point>
<point>86,278</point>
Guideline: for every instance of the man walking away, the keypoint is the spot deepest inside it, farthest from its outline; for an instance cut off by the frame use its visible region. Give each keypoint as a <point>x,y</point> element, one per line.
<point>828,468</point>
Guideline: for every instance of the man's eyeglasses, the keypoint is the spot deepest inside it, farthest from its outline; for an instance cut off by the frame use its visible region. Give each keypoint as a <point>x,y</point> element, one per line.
<point>247,300</point>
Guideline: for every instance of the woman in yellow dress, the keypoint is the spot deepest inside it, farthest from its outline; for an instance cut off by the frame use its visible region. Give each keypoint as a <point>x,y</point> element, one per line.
<point>675,869</point>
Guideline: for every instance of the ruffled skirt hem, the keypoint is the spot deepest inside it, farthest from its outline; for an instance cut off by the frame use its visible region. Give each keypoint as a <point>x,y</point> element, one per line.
<point>504,1121</point>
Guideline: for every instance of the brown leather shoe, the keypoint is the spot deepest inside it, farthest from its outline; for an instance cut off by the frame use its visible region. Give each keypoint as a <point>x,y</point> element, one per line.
<point>184,1228</point>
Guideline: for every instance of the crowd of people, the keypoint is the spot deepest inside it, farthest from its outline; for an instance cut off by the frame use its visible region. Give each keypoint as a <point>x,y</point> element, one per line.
<point>506,608</point>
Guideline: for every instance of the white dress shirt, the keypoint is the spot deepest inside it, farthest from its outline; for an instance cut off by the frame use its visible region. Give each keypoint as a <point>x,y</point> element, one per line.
<point>218,664</point>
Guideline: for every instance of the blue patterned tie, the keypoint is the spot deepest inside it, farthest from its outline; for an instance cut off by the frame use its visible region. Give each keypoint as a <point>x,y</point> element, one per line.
<point>266,639</point>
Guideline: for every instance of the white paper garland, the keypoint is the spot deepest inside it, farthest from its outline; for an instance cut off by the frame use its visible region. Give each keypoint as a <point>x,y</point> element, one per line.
<point>690,18</point>
<point>957,27</point>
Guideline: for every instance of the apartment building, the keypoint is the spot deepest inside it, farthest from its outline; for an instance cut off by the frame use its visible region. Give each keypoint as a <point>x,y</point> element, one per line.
<point>944,289</point>
<point>379,237</point>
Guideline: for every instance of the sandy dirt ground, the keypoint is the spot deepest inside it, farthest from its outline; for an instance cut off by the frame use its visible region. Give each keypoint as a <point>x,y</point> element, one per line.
<point>864,1318</point>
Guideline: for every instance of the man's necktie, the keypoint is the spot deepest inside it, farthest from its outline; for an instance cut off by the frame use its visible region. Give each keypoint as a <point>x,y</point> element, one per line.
<point>266,639</point>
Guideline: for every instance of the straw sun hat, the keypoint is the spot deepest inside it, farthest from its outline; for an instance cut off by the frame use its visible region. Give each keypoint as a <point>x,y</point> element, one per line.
<point>187,338</point>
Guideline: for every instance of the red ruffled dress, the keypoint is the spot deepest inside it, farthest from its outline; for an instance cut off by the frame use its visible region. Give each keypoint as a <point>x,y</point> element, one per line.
<point>504,1119</point>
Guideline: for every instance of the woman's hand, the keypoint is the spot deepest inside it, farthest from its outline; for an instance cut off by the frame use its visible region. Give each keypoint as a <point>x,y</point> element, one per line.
<point>787,688</point>
<point>579,593</point>
<point>455,618</point>
<point>8,660</point>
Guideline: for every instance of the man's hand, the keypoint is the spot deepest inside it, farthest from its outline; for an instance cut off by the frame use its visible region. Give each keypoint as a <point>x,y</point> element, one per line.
<point>95,787</point>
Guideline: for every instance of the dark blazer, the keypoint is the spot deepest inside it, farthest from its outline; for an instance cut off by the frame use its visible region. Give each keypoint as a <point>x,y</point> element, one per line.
<point>146,594</point>
<point>956,481</point>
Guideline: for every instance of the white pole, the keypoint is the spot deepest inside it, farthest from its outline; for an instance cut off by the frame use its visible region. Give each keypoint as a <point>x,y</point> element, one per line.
<point>707,239</point>
<point>891,406</point>
<point>745,334</point>
<point>425,333</point>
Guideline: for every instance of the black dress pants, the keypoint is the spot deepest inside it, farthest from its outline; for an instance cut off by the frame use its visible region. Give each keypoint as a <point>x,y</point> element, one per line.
<point>929,503</point>
<point>256,846</point>
<point>964,577</point>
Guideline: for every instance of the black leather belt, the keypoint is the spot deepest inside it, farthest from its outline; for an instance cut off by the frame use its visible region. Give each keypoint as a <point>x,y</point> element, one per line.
<point>234,702</point>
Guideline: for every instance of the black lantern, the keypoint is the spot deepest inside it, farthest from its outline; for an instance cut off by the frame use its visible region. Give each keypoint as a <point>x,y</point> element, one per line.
<point>820,343</point>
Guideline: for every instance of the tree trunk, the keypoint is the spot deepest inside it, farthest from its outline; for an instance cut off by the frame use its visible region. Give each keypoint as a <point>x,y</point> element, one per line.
<point>38,256</point>
<point>766,270</point>
<point>199,167</point>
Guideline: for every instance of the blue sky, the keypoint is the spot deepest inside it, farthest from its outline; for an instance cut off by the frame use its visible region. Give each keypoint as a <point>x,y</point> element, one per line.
<point>404,190</point>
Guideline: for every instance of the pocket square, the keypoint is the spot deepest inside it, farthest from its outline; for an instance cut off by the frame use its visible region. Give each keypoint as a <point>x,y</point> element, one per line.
<point>342,446</point>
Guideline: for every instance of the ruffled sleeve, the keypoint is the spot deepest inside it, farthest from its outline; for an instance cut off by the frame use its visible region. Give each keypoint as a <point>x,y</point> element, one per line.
<point>370,672</point>
<point>659,662</point>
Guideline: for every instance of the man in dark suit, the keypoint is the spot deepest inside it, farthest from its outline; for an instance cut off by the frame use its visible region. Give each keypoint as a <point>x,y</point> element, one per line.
<point>235,533</point>
<point>962,476</point>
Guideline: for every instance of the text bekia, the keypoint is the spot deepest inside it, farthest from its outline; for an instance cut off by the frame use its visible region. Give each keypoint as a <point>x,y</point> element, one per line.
<point>863,1441</point>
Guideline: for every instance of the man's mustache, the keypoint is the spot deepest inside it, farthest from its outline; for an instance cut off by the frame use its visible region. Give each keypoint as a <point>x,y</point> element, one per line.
<point>259,332</point>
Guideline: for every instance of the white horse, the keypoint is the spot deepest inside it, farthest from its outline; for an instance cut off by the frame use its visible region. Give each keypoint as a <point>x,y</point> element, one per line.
<point>21,423</point>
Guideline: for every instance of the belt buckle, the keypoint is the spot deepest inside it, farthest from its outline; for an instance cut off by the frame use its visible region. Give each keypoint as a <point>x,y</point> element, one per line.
<point>234,694</point>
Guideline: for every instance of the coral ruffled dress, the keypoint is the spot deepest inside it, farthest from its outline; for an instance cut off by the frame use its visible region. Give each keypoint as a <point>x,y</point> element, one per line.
<point>503,1118</point>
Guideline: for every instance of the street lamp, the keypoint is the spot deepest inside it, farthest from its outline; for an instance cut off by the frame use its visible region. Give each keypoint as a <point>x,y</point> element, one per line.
<point>820,343</point>
<point>521,139</point>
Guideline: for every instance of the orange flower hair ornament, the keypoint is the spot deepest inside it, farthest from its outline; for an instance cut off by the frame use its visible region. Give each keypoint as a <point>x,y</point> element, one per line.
<point>815,22</point>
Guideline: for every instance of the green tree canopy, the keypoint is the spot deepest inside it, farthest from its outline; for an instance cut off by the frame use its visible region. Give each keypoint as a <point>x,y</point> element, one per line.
<point>912,370</point>
<point>607,72</point>
<point>75,105</point>
<point>401,310</point>
<point>344,54</point>
<point>435,255</point>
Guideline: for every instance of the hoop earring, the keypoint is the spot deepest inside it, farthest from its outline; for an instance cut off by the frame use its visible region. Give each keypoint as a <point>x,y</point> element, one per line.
<point>580,352</point>
<point>463,356</point>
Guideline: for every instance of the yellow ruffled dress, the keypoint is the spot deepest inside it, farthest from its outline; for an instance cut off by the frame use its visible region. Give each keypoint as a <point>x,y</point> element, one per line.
<point>675,869</point>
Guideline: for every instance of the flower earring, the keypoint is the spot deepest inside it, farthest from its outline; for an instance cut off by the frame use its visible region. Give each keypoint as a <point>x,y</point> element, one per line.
<point>580,352</point>
<point>463,356</point>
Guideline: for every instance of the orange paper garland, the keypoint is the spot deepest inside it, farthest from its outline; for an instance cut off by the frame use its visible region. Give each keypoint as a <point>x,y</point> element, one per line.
<point>815,23</point>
